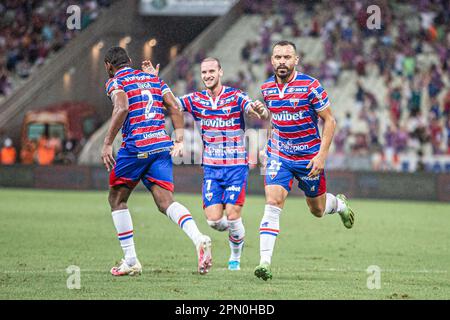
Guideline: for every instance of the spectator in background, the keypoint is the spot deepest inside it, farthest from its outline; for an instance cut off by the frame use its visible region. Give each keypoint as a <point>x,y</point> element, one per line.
<point>395,98</point>
<point>448,135</point>
<point>435,110</point>
<point>8,153</point>
<point>415,98</point>
<point>28,152</point>
<point>446,111</point>
<point>436,135</point>
<point>45,150</point>
<point>67,155</point>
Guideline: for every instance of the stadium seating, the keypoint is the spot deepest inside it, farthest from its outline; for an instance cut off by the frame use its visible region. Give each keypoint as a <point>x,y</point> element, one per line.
<point>23,48</point>
<point>360,68</point>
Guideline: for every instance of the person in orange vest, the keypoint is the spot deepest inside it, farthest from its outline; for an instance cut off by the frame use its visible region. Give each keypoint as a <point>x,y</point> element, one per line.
<point>45,151</point>
<point>8,153</point>
<point>28,152</point>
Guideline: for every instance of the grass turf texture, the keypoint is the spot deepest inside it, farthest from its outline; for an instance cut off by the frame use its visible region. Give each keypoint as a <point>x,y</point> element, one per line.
<point>44,232</point>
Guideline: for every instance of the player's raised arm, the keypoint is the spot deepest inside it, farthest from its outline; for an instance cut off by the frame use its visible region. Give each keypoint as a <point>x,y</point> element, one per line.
<point>176,115</point>
<point>317,164</point>
<point>147,67</point>
<point>119,114</point>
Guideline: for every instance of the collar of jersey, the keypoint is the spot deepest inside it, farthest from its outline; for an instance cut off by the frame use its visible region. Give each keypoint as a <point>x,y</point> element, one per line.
<point>221,92</point>
<point>287,83</point>
<point>121,70</point>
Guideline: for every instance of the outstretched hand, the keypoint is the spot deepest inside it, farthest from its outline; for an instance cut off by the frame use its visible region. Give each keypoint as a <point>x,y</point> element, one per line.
<point>177,149</point>
<point>147,67</point>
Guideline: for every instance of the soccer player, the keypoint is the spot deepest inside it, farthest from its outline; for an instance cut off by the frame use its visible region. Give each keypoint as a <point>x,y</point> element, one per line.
<point>138,99</point>
<point>220,111</point>
<point>295,149</point>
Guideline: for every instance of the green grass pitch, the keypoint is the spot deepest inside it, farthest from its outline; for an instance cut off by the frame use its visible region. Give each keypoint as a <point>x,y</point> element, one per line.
<point>44,232</point>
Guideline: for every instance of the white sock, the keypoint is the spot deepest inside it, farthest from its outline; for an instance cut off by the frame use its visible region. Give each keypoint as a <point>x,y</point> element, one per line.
<point>268,232</point>
<point>334,204</point>
<point>236,238</point>
<point>219,225</point>
<point>181,216</point>
<point>124,226</point>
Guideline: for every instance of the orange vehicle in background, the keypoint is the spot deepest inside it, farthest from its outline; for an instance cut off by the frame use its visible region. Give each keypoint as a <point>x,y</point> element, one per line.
<point>46,131</point>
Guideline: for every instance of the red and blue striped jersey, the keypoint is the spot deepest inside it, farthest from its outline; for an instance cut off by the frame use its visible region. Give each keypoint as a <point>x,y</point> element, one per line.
<point>294,107</point>
<point>222,125</point>
<point>144,127</point>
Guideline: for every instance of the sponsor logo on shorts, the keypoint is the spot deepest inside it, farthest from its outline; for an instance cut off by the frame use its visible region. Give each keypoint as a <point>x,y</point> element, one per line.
<point>209,196</point>
<point>306,178</point>
<point>234,188</point>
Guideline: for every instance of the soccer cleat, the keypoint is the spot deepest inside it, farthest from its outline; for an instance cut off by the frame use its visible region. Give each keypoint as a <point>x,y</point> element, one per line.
<point>204,255</point>
<point>234,265</point>
<point>347,216</point>
<point>123,269</point>
<point>263,271</point>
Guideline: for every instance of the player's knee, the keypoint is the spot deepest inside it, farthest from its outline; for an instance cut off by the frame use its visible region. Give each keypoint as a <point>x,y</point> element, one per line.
<point>116,203</point>
<point>163,205</point>
<point>234,215</point>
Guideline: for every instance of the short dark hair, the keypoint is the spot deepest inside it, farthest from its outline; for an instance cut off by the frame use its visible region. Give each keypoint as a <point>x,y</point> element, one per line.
<point>118,57</point>
<point>212,59</point>
<point>285,43</point>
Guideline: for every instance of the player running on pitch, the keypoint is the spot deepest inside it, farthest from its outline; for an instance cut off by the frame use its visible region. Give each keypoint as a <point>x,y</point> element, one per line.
<point>145,155</point>
<point>220,112</point>
<point>295,148</point>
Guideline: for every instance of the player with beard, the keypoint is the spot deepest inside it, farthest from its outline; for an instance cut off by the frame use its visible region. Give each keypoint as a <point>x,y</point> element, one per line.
<point>220,112</point>
<point>295,148</point>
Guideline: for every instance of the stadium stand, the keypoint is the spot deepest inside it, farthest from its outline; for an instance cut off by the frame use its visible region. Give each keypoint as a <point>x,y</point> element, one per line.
<point>390,88</point>
<point>32,31</point>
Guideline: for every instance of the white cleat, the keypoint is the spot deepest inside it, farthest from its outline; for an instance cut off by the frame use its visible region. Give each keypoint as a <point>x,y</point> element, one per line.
<point>123,269</point>
<point>204,255</point>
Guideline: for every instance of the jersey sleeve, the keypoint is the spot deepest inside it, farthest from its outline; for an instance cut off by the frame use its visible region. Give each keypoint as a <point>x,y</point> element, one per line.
<point>186,102</point>
<point>113,86</point>
<point>164,87</point>
<point>244,101</point>
<point>317,96</point>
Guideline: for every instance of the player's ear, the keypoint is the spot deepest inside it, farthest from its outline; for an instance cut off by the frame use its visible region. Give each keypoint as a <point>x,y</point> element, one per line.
<point>220,72</point>
<point>297,59</point>
<point>109,69</point>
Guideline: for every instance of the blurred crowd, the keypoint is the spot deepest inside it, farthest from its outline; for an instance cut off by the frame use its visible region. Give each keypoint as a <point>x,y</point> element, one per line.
<point>31,30</point>
<point>410,52</point>
<point>418,90</point>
